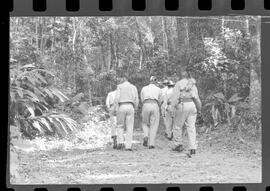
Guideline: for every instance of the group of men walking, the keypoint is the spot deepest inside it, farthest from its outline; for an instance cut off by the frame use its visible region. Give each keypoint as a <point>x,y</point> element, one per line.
<point>178,103</point>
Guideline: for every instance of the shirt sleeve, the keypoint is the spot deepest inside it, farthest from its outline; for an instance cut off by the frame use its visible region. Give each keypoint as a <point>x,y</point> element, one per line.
<point>195,92</point>
<point>142,95</point>
<point>160,99</point>
<point>136,101</point>
<point>108,101</point>
<point>197,100</point>
<point>117,96</point>
<point>175,95</point>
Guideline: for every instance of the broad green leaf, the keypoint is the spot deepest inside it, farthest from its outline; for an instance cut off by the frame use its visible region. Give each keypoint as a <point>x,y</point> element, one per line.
<point>48,92</point>
<point>72,124</point>
<point>37,126</point>
<point>30,109</point>
<point>59,94</point>
<point>38,76</point>
<point>32,95</point>
<point>235,98</point>
<point>219,96</point>
<point>28,66</point>
<point>62,125</point>
<point>44,121</point>
<point>20,92</point>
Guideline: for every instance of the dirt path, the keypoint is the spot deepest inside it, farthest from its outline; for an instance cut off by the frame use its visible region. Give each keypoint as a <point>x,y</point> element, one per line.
<point>212,164</point>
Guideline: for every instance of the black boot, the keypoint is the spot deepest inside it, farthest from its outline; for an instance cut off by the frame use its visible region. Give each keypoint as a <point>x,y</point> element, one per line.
<point>192,151</point>
<point>145,141</point>
<point>178,148</point>
<point>114,141</point>
<point>171,137</point>
<point>151,147</point>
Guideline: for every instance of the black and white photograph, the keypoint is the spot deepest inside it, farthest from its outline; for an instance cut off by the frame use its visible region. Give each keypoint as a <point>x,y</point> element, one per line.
<point>135,100</point>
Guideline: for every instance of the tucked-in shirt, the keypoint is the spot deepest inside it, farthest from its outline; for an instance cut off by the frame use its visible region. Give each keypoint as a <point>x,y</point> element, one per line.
<point>165,99</point>
<point>185,88</point>
<point>167,95</point>
<point>110,100</point>
<point>163,91</point>
<point>151,92</point>
<point>126,92</point>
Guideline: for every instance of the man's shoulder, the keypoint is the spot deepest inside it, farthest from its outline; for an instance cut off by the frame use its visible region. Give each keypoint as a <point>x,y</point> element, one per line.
<point>133,86</point>
<point>158,88</point>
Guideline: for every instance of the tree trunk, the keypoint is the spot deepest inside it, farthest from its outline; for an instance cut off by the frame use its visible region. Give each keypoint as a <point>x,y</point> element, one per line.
<point>187,51</point>
<point>53,35</point>
<point>37,24</point>
<point>169,38</point>
<point>113,53</point>
<point>140,43</point>
<point>255,83</point>
<point>103,64</point>
<point>224,44</point>
<point>183,41</point>
<point>164,36</point>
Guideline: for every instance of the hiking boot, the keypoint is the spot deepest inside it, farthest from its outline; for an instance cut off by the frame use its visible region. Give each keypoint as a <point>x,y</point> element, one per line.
<point>145,141</point>
<point>120,146</point>
<point>128,149</point>
<point>169,137</point>
<point>114,141</point>
<point>192,151</point>
<point>151,147</point>
<point>178,148</point>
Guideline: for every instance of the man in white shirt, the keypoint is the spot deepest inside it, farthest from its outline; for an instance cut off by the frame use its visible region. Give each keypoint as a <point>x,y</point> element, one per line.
<point>110,104</point>
<point>151,98</point>
<point>167,116</point>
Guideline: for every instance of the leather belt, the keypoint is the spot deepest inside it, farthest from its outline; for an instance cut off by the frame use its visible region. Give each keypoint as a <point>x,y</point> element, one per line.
<point>184,100</point>
<point>128,102</point>
<point>150,101</point>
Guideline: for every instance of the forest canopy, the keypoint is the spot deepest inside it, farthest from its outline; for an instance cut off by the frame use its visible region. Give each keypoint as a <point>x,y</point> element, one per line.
<point>88,54</point>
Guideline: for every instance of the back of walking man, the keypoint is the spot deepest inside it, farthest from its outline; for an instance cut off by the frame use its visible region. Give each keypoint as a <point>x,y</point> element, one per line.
<point>185,103</point>
<point>168,117</point>
<point>151,98</point>
<point>127,101</point>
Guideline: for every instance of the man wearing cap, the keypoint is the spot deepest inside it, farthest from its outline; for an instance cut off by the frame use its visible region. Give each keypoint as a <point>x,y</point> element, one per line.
<point>151,98</point>
<point>185,103</point>
<point>165,88</point>
<point>127,101</point>
<point>167,116</point>
<point>110,104</point>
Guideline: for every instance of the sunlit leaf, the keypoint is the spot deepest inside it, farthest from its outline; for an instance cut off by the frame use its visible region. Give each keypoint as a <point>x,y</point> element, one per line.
<point>37,126</point>
<point>30,109</point>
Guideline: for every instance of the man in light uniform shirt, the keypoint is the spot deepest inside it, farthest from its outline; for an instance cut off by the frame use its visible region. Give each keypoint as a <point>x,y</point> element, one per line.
<point>168,117</point>
<point>127,101</point>
<point>165,88</point>
<point>151,98</point>
<point>185,103</point>
<point>110,104</point>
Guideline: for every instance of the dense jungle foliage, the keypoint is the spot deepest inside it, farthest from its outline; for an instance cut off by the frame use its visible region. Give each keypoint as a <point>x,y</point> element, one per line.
<point>56,63</point>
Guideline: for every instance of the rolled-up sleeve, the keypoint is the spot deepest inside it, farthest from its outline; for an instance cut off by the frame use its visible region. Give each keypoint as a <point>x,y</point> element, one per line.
<point>117,96</point>
<point>108,101</point>
<point>195,95</point>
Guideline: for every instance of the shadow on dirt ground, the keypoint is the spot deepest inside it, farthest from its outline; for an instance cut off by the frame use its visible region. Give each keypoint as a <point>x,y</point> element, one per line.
<point>214,162</point>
